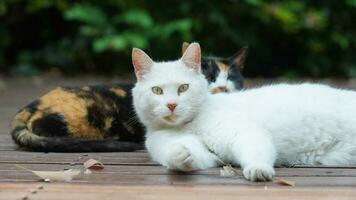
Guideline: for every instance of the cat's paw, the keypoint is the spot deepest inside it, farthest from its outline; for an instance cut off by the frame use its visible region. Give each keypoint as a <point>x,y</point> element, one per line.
<point>181,159</point>
<point>258,172</point>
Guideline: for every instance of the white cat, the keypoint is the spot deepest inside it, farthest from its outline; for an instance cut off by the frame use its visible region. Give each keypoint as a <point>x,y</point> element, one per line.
<point>274,125</point>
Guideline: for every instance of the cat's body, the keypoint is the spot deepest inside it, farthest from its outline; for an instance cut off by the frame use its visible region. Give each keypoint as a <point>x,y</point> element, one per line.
<point>100,117</point>
<point>89,118</point>
<point>308,124</point>
<point>256,129</point>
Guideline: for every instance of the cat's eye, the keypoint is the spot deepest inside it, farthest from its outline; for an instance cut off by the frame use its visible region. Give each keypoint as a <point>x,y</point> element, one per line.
<point>157,90</point>
<point>183,88</point>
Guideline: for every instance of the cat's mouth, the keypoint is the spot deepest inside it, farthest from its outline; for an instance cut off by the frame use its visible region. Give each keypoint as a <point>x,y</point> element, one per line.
<point>170,118</point>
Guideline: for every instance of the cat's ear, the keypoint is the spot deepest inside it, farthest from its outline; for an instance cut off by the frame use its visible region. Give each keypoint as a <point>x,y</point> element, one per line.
<point>239,58</point>
<point>184,47</point>
<point>141,62</point>
<point>192,56</point>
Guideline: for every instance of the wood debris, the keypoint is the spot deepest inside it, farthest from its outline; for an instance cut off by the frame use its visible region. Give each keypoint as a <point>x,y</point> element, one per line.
<point>93,164</point>
<point>284,182</point>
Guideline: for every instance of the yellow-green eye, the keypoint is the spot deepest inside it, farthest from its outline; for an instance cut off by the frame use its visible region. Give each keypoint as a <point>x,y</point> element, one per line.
<point>157,90</point>
<point>183,88</point>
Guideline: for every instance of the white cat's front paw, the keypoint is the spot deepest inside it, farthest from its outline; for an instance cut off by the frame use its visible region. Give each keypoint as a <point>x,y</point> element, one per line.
<point>181,159</point>
<point>258,172</point>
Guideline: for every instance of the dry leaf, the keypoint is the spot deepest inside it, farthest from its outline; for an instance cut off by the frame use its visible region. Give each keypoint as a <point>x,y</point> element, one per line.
<point>93,164</point>
<point>48,176</point>
<point>284,182</point>
<point>66,175</point>
<point>228,171</point>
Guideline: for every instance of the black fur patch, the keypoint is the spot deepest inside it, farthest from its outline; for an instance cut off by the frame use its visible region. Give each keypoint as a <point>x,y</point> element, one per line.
<point>235,76</point>
<point>31,107</point>
<point>50,125</point>
<point>209,69</point>
<point>96,116</point>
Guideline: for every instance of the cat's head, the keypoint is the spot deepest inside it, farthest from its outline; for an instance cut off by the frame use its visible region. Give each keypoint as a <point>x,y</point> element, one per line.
<point>223,74</point>
<point>168,93</point>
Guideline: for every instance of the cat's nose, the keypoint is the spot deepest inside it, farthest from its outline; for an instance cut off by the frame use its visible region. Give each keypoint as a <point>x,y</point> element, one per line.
<point>171,106</point>
<point>222,88</point>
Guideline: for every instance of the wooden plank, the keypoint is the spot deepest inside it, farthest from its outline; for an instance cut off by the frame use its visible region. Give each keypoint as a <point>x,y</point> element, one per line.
<point>117,170</point>
<point>95,192</point>
<point>120,158</point>
<point>116,158</point>
<point>6,143</point>
<point>160,176</point>
<point>192,180</point>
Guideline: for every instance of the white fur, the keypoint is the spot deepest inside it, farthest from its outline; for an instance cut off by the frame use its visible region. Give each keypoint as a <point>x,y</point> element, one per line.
<point>274,125</point>
<point>223,81</point>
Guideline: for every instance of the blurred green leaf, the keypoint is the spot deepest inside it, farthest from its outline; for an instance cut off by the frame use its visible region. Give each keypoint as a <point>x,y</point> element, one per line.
<point>351,3</point>
<point>288,13</point>
<point>89,30</point>
<point>253,2</point>
<point>315,19</point>
<point>87,14</point>
<point>182,25</point>
<point>36,5</point>
<point>137,18</point>
<point>316,46</point>
<point>287,38</point>
<point>2,8</point>
<point>116,42</point>
<point>136,40</point>
<point>340,39</point>
<point>351,71</point>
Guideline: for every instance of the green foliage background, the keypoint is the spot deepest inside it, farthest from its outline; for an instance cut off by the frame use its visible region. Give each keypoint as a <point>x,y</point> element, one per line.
<point>291,38</point>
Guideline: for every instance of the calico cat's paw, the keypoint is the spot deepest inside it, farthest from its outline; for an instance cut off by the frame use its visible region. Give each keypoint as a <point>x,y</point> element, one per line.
<point>181,159</point>
<point>258,172</point>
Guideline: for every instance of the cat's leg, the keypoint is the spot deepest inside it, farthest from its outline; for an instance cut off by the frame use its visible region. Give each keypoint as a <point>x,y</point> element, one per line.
<point>179,151</point>
<point>256,154</point>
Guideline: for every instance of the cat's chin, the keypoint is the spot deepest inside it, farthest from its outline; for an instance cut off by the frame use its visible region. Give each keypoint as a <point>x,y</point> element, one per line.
<point>171,120</point>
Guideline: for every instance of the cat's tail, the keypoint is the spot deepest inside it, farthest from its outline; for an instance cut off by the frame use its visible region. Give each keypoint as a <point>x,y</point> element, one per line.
<point>28,140</point>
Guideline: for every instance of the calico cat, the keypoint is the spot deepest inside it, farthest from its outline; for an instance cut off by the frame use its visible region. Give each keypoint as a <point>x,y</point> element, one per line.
<point>284,124</point>
<point>100,118</point>
<point>223,74</point>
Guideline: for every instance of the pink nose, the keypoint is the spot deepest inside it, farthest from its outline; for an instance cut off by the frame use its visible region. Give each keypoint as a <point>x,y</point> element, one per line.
<point>171,106</point>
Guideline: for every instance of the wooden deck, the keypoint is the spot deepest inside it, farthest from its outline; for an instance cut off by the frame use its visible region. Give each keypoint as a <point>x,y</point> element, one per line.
<point>134,176</point>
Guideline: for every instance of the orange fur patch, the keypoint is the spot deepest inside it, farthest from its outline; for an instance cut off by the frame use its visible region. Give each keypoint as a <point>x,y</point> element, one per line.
<point>216,90</point>
<point>20,119</point>
<point>108,121</point>
<point>222,66</point>
<point>74,111</point>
